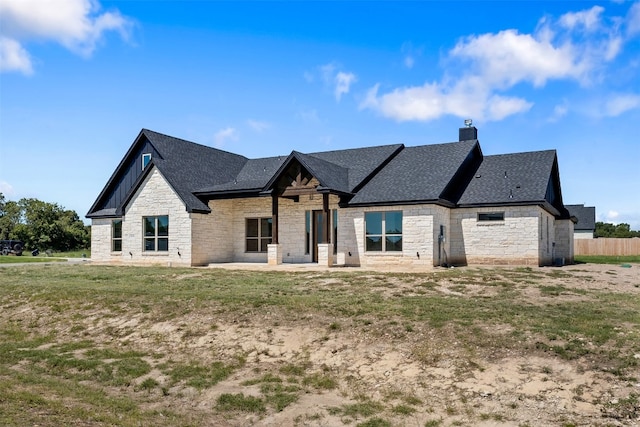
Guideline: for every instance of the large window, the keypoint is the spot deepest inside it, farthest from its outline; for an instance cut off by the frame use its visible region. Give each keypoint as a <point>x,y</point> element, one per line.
<point>156,233</point>
<point>116,235</point>
<point>383,231</point>
<point>258,234</point>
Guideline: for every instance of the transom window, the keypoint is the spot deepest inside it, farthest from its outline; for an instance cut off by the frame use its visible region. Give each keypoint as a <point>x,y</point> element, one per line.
<point>491,216</point>
<point>156,233</point>
<point>116,235</point>
<point>146,158</point>
<point>383,231</point>
<point>258,234</point>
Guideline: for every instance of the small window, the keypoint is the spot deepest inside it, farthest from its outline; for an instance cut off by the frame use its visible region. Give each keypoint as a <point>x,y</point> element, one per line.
<point>146,158</point>
<point>116,235</point>
<point>258,234</point>
<point>383,231</point>
<point>156,233</point>
<point>491,216</point>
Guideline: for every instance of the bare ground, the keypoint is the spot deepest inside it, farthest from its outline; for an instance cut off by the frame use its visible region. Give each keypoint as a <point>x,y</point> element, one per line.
<point>420,375</point>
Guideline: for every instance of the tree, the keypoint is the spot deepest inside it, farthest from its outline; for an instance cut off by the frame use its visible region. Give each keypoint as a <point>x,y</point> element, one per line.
<point>9,217</point>
<point>42,225</point>
<point>622,230</point>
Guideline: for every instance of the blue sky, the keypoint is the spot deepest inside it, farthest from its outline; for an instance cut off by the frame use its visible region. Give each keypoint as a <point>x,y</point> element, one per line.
<point>79,79</point>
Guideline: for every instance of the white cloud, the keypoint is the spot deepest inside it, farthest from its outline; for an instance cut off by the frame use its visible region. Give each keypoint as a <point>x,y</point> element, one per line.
<point>78,25</point>
<point>224,135</point>
<point>338,81</point>
<point>588,19</point>
<point>343,82</point>
<point>633,20</point>
<point>13,57</point>
<point>484,68</point>
<point>432,100</point>
<point>611,216</point>
<point>620,104</point>
<point>507,58</point>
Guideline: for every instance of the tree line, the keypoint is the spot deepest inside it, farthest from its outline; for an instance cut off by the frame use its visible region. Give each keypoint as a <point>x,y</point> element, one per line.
<point>42,225</point>
<point>605,229</point>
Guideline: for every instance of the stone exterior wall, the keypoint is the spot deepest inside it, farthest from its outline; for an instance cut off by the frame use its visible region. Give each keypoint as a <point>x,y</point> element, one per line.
<point>212,234</point>
<point>101,239</point>
<point>564,250</point>
<point>516,240</point>
<point>154,197</point>
<point>420,227</point>
<point>221,234</point>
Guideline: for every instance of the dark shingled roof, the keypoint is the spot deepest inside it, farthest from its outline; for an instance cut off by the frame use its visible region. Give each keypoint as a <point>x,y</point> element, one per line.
<point>510,179</point>
<point>450,174</point>
<point>186,165</point>
<point>361,162</point>
<point>252,177</point>
<point>189,166</point>
<point>330,175</point>
<point>415,174</point>
<point>586,216</point>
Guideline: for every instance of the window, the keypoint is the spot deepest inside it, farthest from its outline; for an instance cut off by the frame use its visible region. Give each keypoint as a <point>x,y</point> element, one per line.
<point>491,216</point>
<point>258,234</point>
<point>146,158</point>
<point>383,231</point>
<point>116,235</point>
<point>156,233</point>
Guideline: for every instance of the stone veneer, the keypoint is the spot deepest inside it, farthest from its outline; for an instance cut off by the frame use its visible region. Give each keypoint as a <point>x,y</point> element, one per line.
<point>154,197</point>
<point>521,239</point>
<point>420,229</point>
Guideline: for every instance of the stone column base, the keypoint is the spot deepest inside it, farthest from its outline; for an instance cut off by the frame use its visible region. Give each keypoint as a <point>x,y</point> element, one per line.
<point>325,254</point>
<point>274,254</point>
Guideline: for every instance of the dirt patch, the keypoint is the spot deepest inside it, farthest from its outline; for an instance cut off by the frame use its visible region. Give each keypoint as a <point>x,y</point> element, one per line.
<point>407,372</point>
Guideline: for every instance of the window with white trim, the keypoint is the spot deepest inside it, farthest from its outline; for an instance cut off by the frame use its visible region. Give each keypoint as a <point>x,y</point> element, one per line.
<point>383,231</point>
<point>258,234</point>
<point>146,158</point>
<point>156,233</point>
<point>116,235</point>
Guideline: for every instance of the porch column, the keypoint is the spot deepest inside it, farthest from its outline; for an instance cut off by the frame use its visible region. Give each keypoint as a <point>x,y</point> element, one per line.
<point>274,218</point>
<point>326,238</point>
<point>274,251</point>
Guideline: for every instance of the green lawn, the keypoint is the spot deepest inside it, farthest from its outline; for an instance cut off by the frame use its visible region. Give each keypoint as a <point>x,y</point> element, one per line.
<point>11,259</point>
<point>601,259</point>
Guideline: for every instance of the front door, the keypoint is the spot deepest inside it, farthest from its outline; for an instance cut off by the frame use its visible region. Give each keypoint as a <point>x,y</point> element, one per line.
<point>318,233</point>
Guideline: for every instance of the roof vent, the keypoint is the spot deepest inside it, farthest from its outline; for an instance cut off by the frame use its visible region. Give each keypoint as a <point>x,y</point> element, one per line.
<point>468,132</point>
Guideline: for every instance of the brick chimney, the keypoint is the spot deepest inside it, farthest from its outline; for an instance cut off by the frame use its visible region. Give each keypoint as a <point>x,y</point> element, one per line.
<point>468,132</point>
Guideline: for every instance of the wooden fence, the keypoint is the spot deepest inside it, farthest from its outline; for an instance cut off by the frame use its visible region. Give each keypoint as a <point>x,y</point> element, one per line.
<point>607,246</point>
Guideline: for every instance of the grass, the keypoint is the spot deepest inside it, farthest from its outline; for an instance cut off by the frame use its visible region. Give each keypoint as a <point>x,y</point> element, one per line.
<point>11,259</point>
<point>602,259</point>
<point>72,336</point>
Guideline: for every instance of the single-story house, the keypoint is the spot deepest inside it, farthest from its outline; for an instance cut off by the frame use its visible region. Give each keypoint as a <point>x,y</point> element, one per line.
<point>585,228</point>
<point>175,202</point>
